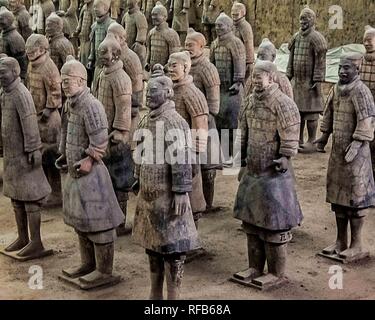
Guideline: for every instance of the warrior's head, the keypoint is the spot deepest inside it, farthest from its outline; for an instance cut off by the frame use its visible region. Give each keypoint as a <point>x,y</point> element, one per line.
<point>159,14</point>
<point>118,31</point>
<point>238,11</point>
<point>15,4</point>
<point>133,4</point>
<point>109,51</point>
<point>266,51</point>
<point>6,18</point>
<point>263,75</point>
<point>54,25</point>
<point>9,71</point>
<point>73,76</point>
<point>307,18</point>
<point>369,39</point>
<point>223,24</point>
<point>349,67</point>
<point>36,46</point>
<point>179,65</point>
<point>159,89</point>
<point>195,43</point>
<point>101,7</point>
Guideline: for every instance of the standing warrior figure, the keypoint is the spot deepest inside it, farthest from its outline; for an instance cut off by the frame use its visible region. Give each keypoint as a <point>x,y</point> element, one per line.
<point>148,5</point>
<point>44,9</point>
<point>86,20</point>
<point>12,42</point>
<point>266,201</point>
<point>24,181</point>
<point>114,92</point>
<point>229,56</point>
<point>206,79</point>
<point>136,27</point>
<point>162,41</point>
<point>191,104</point>
<point>44,84</point>
<point>350,182</point>
<point>307,67</point>
<point>180,22</point>
<point>267,52</point>
<point>22,18</point>
<point>59,46</point>
<point>211,11</point>
<point>163,222</point>
<point>244,31</point>
<point>68,10</point>
<point>90,204</point>
<point>98,33</point>
<point>367,73</point>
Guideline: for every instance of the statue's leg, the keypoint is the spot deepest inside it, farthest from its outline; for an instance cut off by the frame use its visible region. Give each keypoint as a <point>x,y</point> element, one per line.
<point>276,258</point>
<point>86,248</point>
<point>156,275</point>
<point>174,275</point>
<point>208,179</point>
<point>21,220</point>
<point>35,245</point>
<point>312,127</point>
<point>341,243</point>
<point>301,132</point>
<point>122,198</point>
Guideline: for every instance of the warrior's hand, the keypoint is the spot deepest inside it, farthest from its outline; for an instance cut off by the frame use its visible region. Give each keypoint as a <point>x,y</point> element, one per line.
<point>35,158</point>
<point>281,165</point>
<point>84,166</point>
<point>136,46</point>
<point>135,187</point>
<point>184,11</point>
<point>46,114</point>
<point>118,136</point>
<point>90,65</point>
<point>61,163</point>
<point>315,85</point>
<point>235,89</point>
<point>322,142</point>
<point>352,151</point>
<point>181,203</point>
<point>241,174</point>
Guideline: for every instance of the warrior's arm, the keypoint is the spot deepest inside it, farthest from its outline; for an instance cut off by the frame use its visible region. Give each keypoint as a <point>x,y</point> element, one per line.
<point>122,120</point>
<point>53,88</point>
<point>72,8</point>
<point>142,27</point>
<point>326,125</point>
<point>242,136</point>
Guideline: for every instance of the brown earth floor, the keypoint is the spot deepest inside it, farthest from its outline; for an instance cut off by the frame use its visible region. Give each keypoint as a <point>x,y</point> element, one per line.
<point>221,236</point>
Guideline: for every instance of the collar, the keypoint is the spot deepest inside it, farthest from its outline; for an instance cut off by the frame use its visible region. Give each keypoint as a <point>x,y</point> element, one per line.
<point>225,37</point>
<point>6,31</point>
<point>198,60</point>
<point>41,60</point>
<point>102,19</point>
<point>19,9</point>
<point>369,56</point>
<point>72,101</point>
<point>167,106</point>
<point>344,89</point>
<point>266,93</point>
<point>162,26</point>
<point>133,10</point>
<point>185,81</point>
<point>239,21</point>
<point>306,32</point>
<point>56,36</point>
<point>113,68</point>
<point>12,86</point>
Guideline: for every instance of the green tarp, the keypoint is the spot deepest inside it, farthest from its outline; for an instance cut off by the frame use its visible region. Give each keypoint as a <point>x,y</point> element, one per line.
<point>333,58</point>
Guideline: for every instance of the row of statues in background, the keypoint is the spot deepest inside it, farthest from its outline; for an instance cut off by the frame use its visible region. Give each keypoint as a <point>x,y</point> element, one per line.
<point>88,138</point>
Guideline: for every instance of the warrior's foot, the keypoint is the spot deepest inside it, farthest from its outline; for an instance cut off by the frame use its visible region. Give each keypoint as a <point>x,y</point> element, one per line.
<point>80,271</point>
<point>248,274</point>
<point>320,148</point>
<point>308,147</point>
<point>336,248</point>
<point>17,245</point>
<point>32,249</point>
<point>268,281</point>
<point>353,253</point>
<point>94,277</point>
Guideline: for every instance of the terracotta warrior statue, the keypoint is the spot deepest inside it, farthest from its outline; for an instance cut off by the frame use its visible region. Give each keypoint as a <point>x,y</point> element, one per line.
<point>114,91</point>
<point>43,9</point>
<point>229,56</point>
<point>267,52</point>
<point>211,11</point>
<point>23,181</point>
<point>191,104</point>
<point>307,67</point>
<point>22,18</point>
<point>180,22</point>
<point>206,79</point>
<point>266,200</point>
<point>44,84</point>
<point>163,222</point>
<point>12,42</point>
<point>90,204</point>
<point>86,20</point>
<point>350,183</point>
<point>136,27</point>
<point>59,46</point>
<point>367,73</point>
<point>161,41</point>
<point>148,5</point>
<point>98,33</point>
<point>244,31</point>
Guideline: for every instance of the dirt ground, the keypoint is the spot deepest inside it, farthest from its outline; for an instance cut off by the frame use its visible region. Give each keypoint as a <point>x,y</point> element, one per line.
<point>220,234</point>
